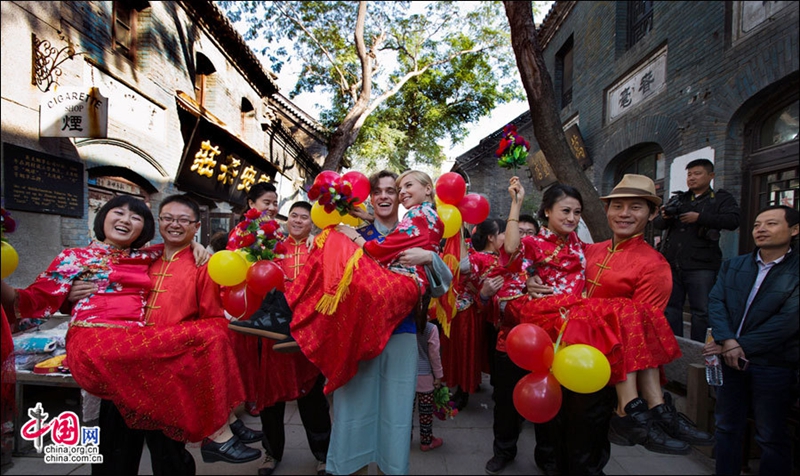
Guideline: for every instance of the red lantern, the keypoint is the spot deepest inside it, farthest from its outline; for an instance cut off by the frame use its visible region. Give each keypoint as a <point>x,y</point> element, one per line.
<point>530,347</point>
<point>537,397</point>
<point>240,302</point>
<point>360,184</point>
<point>450,188</point>
<point>474,208</point>
<point>263,277</point>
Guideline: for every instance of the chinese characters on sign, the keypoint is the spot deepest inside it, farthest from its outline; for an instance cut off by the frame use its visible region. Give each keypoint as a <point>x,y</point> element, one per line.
<point>576,145</point>
<point>540,170</point>
<point>38,182</point>
<point>73,112</point>
<point>646,82</point>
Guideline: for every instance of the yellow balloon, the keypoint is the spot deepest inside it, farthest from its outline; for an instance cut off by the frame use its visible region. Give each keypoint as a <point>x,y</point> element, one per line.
<point>581,368</point>
<point>243,254</point>
<point>10,260</point>
<point>439,203</point>
<point>451,218</point>
<point>227,268</point>
<point>321,218</point>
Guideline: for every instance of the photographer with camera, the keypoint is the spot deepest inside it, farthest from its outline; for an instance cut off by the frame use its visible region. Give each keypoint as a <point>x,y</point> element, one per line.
<point>693,220</point>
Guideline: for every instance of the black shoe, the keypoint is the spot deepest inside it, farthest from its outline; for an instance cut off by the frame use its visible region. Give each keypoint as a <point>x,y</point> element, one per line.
<point>461,398</point>
<point>678,426</point>
<point>639,427</point>
<point>287,346</point>
<point>496,464</point>
<point>232,451</point>
<point>246,435</point>
<point>271,320</point>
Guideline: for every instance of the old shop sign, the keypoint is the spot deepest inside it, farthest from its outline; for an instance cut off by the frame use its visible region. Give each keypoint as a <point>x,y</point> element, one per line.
<point>73,112</point>
<point>637,87</point>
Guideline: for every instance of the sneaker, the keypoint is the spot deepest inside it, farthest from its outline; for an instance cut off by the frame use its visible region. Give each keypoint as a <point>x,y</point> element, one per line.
<point>679,426</point>
<point>321,467</point>
<point>639,427</point>
<point>435,443</point>
<point>267,466</point>
<point>246,435</point>
<point>231,451</point>
<point>287,346</point>
<point>496,464</point>
<point>272,319</point>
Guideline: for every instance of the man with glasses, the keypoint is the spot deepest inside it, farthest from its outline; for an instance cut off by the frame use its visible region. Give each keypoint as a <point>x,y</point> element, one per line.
<point>527,226</point>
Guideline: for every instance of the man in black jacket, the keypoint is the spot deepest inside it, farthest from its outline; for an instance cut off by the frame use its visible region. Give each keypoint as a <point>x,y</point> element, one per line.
<point>753,313</point>
<point>693,220</point>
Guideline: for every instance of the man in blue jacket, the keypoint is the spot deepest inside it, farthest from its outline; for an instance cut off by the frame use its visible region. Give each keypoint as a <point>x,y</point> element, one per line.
<point>753,310</point>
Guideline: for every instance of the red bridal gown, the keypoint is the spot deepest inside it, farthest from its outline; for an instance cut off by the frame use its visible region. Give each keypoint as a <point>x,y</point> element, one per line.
<point>346,304</point>
<point>180,379</point>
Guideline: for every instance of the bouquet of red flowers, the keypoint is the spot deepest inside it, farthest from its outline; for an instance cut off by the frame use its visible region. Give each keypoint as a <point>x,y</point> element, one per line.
<point>513,149</point>
<point>444,406</point>
<point>334,192</point>
<point>10,259</point>
<point>7,224</point>
<point>258,237</point>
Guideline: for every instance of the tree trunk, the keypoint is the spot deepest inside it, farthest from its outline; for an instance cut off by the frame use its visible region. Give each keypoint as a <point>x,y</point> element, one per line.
<point>544,116</point>
<point>343,137</point>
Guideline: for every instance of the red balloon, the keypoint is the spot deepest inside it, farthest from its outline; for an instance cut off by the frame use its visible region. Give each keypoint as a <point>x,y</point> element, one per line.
<point>360,184</point>
<point>450,188</point>
<point>239,301</point>
<point>264,276</point>
<point>537,397</point>
<point>474,208</point>
<point>530,347</point>
<point>326,177</point>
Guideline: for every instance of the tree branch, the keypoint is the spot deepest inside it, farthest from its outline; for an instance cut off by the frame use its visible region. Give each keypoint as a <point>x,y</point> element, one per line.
<point>343,84</point>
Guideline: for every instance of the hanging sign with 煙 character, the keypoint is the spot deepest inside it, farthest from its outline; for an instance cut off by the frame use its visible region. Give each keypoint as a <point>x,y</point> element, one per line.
<point>73,112</point>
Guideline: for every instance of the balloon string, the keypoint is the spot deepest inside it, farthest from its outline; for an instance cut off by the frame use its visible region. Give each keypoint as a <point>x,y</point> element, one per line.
<point>565,316</point>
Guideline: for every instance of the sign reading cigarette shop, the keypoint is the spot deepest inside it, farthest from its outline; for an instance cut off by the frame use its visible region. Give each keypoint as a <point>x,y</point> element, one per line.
<point>73,112</point>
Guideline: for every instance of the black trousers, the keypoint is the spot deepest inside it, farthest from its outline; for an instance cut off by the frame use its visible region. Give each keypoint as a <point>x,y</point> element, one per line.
<point>315,415</point>
<point>576,440</point>
<point>507,421</point>
<point>122,446</point>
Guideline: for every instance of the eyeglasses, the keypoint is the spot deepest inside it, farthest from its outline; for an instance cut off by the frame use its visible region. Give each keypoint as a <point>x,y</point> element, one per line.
<point>526,232</point>
<point>182,221</point>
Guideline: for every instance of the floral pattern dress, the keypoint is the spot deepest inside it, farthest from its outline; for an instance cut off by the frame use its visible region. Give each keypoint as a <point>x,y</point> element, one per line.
<point>181,379</point>
<point>347,301</point>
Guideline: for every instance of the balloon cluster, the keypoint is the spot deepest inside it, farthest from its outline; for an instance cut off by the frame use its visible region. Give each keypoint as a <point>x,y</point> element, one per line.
<point>578,367</point>
<point>513,149</point>
<point>332,192</point>
<point>454,205</point>
<point>9,257</point>
<point>248,273</point>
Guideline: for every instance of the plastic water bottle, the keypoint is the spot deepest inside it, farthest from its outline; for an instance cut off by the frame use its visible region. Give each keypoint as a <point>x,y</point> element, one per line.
<point>713,365</point>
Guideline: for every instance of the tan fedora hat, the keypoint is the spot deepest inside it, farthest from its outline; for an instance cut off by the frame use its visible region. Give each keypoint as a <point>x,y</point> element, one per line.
<point>635,186</point>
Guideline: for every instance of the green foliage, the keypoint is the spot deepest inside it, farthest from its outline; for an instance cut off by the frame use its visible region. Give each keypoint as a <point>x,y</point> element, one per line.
<point>459,55</point>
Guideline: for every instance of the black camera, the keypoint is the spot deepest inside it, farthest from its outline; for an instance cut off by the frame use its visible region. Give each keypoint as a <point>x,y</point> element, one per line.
<point>674,206</point>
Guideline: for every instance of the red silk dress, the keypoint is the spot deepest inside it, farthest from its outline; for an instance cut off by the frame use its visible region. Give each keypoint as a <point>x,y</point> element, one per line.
<point>176,378</point>
<point>291,376</point>
<point>346,302</point>
<point>246,345</point>
<point>463,353</point>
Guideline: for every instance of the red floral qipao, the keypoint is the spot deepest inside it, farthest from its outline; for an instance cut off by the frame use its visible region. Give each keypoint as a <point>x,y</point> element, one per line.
<point>347,302</point>
<point>172,378</point>
<point>560,263</point>
<point>291,376</point>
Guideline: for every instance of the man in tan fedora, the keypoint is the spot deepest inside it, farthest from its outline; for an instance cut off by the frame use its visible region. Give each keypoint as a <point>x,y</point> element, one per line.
<point>625,267</point>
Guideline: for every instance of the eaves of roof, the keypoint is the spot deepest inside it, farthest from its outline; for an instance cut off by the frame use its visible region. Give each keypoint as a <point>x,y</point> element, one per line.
<point>302,116</point>
<point>208,14</point>
<point>553,21</point>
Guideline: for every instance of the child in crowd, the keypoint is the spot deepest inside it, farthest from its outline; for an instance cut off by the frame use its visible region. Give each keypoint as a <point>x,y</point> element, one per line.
<point>429,378</point>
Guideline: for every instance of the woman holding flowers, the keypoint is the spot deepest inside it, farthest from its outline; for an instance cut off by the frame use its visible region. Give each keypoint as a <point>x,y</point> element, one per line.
<point>114,354</point>
<point>352,294</point>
